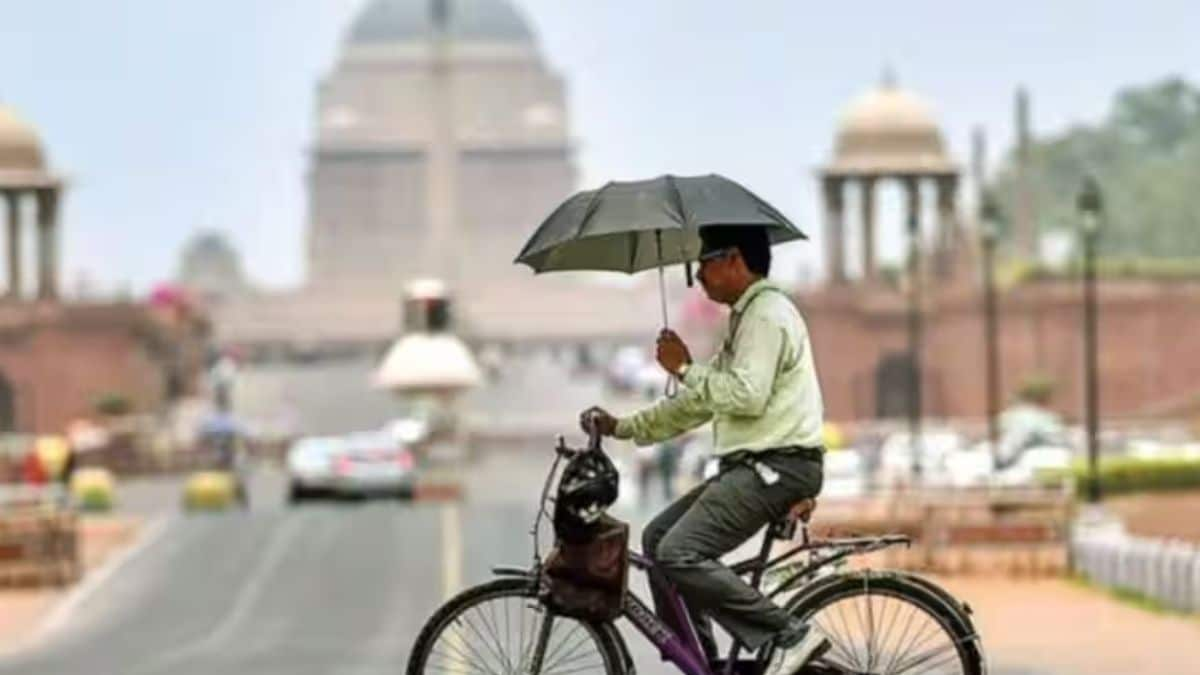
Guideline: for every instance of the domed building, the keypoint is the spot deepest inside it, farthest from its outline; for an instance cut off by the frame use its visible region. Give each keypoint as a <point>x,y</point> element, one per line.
<point>58,356</point>
<point>914,345</point>
<point>441,141</point>
<point>25,177</point>
<point>887,133</point>
<point>212,267</point>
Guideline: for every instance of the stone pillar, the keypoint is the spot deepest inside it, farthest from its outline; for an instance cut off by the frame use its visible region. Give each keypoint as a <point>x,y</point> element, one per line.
<point>948,234</point>
<point>47,211</point>
<point>912,191</point>
<point>13,199</point>
<point>835,231</point>
<point>868,228</point>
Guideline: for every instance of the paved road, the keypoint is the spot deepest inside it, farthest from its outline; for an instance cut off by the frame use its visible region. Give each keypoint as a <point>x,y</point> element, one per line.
<point>336,589</point>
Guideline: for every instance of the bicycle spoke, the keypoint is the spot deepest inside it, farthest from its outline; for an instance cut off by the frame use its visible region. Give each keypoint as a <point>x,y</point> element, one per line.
<point>883,633</point>
<point>888,630</point>
<point>550,656</point>
<point>574,670</point>
<point>925,657</point>
<point>833,638</point>
<point>521,639</point>
<point>870,631</point>
<point>508,636</point>
<point>574,649</point>
<point>479,635</point>
<point>849,637</point>
<point>921,638</point>
<point>474,660</point>
<point>575,663</point>
<point>854,602</point>
<point>455,662</point>
<point>461,668</point>
<point>501,645</point>
<point>904,635</point>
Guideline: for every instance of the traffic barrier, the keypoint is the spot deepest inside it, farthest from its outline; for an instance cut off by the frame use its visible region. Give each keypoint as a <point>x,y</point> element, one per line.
<point>38,546</point>
<point>210,491</point>
<point>1166,571</point>
<point>93,489</point>
<point>437,492</point>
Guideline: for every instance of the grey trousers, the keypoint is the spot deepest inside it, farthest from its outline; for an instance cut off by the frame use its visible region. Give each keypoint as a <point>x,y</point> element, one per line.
<point>688,538</point>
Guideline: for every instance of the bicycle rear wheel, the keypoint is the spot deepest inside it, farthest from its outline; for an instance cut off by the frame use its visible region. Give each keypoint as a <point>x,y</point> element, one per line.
<point>500,628</point>
<point>882,623</point>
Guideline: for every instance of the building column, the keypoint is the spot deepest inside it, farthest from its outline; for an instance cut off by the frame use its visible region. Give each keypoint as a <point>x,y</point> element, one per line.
<point>912,192</point>
<point>948,234</point>
<point>47,203</point>
<point>13,199</point>
<point>835,231</point>
<point>868,229</point>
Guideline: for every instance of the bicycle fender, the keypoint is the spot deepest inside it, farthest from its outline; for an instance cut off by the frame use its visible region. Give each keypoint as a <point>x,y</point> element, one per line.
<point>610,629</point>
<point>961,609</point>
<point>513,571</point>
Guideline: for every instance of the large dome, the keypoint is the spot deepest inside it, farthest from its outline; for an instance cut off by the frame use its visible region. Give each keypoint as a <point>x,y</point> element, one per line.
<point>391,21</point>
<point>20,149</point>
<point>889,130</point>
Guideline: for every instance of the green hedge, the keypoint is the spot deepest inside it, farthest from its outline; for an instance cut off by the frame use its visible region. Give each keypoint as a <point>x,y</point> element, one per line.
<point>1121,475</point>
<point>1156,269</point>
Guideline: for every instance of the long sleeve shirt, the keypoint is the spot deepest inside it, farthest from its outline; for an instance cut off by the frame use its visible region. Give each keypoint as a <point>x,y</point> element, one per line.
<point>760,390</point>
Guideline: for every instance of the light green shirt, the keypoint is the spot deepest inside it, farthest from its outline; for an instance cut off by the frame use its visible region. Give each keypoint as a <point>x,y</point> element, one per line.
<point>760,390</point>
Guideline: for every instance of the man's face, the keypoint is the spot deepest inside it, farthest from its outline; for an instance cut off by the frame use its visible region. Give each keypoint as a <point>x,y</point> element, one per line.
<point>717,276</point>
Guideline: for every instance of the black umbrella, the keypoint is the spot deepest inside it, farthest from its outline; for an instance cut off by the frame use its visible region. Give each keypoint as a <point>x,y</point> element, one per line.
<point>638,225</point>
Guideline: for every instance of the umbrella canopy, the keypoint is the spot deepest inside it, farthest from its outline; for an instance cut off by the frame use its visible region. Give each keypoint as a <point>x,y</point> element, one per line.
<point>639,225</point>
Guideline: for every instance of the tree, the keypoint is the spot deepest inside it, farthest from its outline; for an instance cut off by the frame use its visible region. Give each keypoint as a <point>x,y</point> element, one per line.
<point>1146,154</point>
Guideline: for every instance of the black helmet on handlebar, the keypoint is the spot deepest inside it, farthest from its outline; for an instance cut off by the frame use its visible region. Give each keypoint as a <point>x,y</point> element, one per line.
<point>587,488</point>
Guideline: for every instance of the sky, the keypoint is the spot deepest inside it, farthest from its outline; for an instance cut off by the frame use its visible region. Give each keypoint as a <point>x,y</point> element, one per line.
<point>172,117</point>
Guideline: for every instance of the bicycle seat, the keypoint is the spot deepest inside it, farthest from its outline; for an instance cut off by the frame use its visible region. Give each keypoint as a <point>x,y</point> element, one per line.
<point>802,510</point>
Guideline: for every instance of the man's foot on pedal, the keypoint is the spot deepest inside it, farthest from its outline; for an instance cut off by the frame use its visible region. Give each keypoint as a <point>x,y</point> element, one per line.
<point>795,647</point>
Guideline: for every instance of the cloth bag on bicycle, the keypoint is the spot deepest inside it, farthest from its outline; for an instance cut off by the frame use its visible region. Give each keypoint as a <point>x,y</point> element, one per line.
<point>585,575</point>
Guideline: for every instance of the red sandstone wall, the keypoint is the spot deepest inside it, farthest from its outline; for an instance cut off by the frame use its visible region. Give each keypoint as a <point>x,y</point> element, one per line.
<point>1149,344</point>
<point>57,373</point>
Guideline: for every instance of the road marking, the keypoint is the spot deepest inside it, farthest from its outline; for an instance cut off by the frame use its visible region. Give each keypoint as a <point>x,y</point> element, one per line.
<point>91,583</point>
<point>247,597</point>
<point>452,573</point>
<point>451,550</point>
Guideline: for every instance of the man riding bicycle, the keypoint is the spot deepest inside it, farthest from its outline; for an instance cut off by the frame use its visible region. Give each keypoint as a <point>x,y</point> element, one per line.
<point>761,393</point>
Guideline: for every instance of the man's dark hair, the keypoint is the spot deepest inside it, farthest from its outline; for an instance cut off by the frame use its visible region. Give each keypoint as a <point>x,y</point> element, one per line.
<point>753,242</point>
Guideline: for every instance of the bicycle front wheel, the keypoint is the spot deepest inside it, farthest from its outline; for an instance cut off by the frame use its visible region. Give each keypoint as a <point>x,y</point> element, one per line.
<point>500,628</point>
<point>883,623</point>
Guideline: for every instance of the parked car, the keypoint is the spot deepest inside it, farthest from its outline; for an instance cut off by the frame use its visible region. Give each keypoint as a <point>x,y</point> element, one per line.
<point>357,465</point>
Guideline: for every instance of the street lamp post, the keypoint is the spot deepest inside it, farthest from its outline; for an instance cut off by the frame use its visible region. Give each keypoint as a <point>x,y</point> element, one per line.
<point>989,215</point>
<point>1091,206</point>
<point>914,347</point>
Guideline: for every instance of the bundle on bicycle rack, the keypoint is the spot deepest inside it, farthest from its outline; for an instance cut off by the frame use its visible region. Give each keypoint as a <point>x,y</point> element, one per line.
<point>584,576</point>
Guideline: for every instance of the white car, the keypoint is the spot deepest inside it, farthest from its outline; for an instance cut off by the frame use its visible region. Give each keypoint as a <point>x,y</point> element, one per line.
<point>358,465</point>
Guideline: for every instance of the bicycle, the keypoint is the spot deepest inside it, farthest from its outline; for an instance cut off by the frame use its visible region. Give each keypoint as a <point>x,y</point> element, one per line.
<point>857,610</point>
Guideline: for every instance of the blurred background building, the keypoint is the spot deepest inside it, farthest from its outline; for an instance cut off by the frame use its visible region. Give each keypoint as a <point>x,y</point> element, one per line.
<point>860,319</point>
<point>60,358</point>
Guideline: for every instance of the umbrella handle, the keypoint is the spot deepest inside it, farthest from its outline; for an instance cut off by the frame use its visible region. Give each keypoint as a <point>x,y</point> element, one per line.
<point>672,388</point>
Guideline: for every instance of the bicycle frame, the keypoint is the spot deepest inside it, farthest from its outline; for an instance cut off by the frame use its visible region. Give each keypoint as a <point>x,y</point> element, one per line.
<point>682,650</point>
<point>685,650</point>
